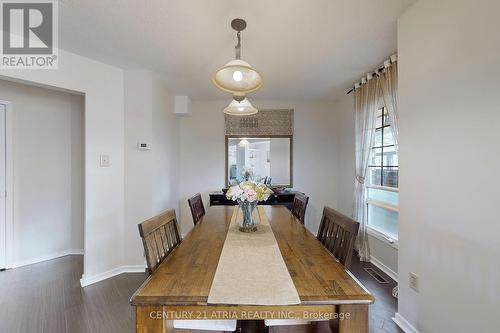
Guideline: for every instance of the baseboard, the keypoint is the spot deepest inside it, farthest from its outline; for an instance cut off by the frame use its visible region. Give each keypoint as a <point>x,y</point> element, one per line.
<point>393,275</point>
<point>87,281</point>
<point>404,324</point>
<point>52,256</point>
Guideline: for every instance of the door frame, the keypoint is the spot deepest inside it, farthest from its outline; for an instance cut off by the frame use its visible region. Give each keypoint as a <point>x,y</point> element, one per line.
<point>9,184</point>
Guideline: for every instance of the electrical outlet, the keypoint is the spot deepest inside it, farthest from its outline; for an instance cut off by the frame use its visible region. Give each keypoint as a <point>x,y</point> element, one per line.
<point>413,281</point>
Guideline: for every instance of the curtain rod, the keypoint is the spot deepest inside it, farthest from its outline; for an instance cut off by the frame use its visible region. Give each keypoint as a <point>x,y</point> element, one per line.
<point>387,64</point>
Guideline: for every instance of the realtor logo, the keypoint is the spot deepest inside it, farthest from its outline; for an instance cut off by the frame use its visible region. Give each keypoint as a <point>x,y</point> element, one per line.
<point>29,38</point>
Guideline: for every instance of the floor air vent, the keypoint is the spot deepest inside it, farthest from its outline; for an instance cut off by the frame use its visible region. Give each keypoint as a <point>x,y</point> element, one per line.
<point>373,273</point>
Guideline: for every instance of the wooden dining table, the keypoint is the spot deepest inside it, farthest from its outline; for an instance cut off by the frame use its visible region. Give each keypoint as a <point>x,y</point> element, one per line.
<point>180,287</point>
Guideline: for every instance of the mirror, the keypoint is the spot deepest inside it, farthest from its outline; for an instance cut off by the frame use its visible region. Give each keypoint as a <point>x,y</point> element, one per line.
<point>264,159</point>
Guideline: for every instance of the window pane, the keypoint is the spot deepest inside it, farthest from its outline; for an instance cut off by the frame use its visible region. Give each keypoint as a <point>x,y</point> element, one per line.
<point>383,195</point>
<point>376,157</point>
<point>374,176</point>
<point>378,118</point>
<point>390,177</point>
<point>377,140</point>
<point>388,136</point>
<point>383,220</point>
<point>390,156</point>
<point>385,117</point>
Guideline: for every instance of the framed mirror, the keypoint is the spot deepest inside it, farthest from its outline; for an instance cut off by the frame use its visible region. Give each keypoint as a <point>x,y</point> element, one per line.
<point>267,159</point>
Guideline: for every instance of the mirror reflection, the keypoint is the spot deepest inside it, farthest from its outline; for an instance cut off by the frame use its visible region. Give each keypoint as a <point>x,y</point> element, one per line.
<point>266,160</point>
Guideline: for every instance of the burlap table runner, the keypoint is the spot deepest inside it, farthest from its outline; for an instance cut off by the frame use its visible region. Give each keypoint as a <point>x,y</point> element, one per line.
<point>251,269</point>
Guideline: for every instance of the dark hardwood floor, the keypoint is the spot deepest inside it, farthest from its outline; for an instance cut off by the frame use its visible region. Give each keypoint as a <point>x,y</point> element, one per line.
<point>47,297</point>
<point>385,306</point>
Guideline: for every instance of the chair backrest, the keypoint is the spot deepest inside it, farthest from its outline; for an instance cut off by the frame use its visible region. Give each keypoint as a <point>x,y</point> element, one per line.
<point>299,206</point>
<point>160,236</point>
<point>338,233</point>
<point>197,208</point>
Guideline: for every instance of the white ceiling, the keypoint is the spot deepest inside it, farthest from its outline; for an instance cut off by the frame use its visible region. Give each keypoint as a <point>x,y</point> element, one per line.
<point>304,49</point>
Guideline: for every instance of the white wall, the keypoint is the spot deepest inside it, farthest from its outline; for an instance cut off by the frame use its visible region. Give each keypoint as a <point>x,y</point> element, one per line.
<point>280,161</point>
<point>138,164</point>
<point>150,176</point>
<point>165,149</point>
<point>381,251</point>
<point>449,137</point>
<point>48,160</point>
<point>104,134</point>
<point>344,113</point>
<point>202,154</point>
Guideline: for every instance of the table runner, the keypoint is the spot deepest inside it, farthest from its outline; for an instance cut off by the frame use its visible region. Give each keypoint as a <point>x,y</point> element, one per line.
<point>251,269</point>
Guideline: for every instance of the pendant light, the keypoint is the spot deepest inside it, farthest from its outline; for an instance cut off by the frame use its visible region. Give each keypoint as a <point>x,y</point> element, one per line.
<point>243,108</point>
<point>243,143</point>
<point>237,76</point>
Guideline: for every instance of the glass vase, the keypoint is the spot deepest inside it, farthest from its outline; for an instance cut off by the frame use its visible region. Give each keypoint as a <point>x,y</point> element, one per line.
<point>247,223</point>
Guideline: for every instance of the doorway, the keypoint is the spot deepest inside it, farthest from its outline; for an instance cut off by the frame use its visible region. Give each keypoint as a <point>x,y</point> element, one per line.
<point>47,133</point>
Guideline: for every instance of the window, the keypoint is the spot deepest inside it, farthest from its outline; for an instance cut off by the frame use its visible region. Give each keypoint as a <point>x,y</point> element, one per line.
<point>382,187</point>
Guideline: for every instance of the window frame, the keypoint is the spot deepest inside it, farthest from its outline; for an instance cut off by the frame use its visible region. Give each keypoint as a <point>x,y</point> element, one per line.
<point>375,232</point>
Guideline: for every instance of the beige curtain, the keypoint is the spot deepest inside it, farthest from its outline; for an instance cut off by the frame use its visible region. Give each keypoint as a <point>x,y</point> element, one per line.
<point>388,81</point>
<point>366,105</point>
<point>389,90</point>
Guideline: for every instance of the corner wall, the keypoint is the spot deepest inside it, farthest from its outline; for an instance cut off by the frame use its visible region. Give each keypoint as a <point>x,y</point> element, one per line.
<point>104,134</point>
<point>150,175</point>
<point>449,186</point>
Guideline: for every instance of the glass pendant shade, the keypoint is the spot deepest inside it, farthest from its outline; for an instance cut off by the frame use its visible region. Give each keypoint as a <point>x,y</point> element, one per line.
<point>243,108</point>
<point>237,77</point>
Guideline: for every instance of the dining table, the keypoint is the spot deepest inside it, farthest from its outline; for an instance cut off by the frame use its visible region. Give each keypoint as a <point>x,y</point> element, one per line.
<point>179,288</point>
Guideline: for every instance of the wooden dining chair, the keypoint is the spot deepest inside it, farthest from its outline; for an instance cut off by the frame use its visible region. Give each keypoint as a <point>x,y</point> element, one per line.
<point>299,206</point>
<point>337,233</point>
<point>197,208</point>
<point>160,236</point>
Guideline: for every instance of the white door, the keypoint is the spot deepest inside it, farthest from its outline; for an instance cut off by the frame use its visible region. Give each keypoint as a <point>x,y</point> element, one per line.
<point>3,244</point>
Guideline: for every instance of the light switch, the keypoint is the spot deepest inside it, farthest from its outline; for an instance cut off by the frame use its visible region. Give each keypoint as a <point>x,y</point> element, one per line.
<point>104,162</point>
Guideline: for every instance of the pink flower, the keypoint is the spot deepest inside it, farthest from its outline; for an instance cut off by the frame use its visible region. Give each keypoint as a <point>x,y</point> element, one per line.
<point>249,195</point>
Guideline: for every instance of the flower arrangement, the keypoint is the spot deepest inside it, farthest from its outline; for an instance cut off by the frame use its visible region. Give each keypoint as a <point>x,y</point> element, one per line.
<point>249,191</point>
<point>248,194</point>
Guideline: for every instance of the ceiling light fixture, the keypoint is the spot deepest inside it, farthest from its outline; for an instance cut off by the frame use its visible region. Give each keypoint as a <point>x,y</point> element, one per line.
<point>243,108</point>
<point>243,143</point>
<point>237,76</point>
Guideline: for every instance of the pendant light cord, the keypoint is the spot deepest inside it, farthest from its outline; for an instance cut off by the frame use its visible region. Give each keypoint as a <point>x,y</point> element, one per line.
<point>237,48</point>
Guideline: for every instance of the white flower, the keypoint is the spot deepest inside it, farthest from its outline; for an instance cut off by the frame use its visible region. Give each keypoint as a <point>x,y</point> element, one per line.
<point>234,192</point>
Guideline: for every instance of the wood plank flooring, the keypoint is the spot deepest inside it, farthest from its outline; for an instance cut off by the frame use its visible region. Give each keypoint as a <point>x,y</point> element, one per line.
<point>47,297</point>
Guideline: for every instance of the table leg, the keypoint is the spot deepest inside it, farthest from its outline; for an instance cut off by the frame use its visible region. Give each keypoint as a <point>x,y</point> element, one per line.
<point>358,318</point>
<point>251,326</point>
<point>149,320</point>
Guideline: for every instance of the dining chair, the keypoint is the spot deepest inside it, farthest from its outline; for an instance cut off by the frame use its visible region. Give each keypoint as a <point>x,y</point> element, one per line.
<point>160,236</point>
<point>337,233</point>
<point>197,208</point>
<point>299,206</point>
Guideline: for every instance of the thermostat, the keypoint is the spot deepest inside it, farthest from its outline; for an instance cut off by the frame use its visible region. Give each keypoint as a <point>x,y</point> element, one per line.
<point>143,146</point>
